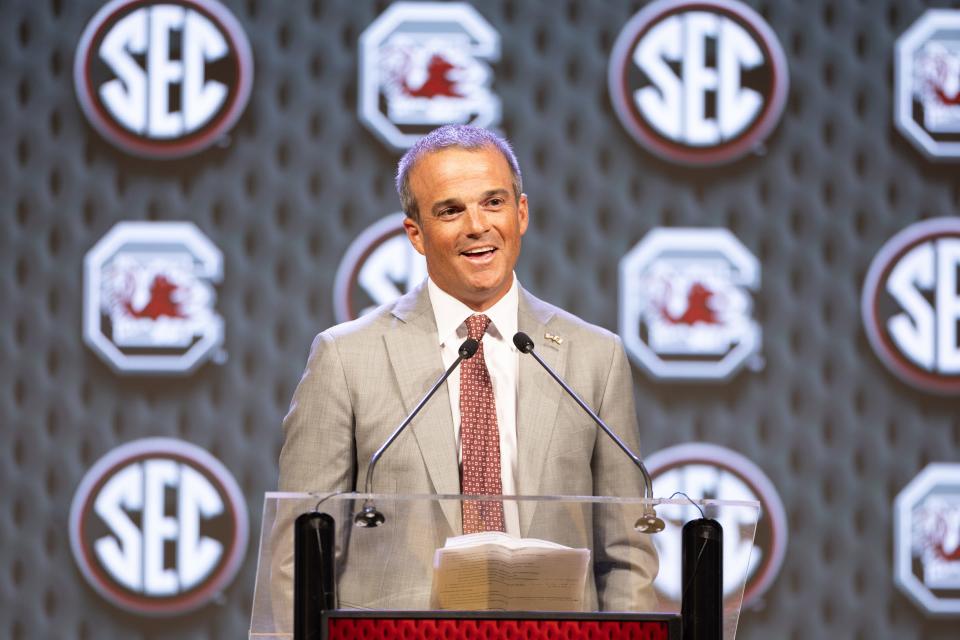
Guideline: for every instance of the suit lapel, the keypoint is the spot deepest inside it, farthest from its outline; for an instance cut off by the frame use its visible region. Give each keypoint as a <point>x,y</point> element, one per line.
<point>538,399</point>
<point>415,358</point>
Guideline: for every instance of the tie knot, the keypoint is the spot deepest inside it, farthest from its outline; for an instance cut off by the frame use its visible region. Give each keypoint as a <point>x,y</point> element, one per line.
<point>477,326</point>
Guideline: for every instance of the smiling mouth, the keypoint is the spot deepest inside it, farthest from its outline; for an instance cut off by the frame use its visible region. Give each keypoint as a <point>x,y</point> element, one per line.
<point>479,254</point>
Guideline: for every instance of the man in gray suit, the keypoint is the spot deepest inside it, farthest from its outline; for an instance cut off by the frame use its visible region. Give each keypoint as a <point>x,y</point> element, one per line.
<point>466,213</point>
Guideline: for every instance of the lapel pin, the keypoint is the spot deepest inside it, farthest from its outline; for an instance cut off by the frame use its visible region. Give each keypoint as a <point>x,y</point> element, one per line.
<point>557,339</point>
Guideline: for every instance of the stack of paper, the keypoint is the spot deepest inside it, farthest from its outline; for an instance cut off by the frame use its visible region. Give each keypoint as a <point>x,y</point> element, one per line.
<point>494,571</point>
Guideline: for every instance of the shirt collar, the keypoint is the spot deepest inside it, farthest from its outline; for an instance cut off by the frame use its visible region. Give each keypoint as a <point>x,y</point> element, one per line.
<point>451,314</point>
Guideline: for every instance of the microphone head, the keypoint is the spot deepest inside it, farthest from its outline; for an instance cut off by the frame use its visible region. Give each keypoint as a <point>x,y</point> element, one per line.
<point>522,342</point>
<point>468,348</point>
<point>649,522</point>
<point>368,518</point>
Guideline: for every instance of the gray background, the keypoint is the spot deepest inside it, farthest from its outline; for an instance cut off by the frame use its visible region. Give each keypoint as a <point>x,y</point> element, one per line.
<point>300,177</point>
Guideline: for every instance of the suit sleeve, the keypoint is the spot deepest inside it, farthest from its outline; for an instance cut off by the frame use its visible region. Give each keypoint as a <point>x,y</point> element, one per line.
<point>319,452</point>
<point>318,455</point>
<point>626,562</point>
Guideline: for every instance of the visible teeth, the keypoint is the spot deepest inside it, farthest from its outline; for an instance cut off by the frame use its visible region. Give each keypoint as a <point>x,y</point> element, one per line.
<point>482,250</point>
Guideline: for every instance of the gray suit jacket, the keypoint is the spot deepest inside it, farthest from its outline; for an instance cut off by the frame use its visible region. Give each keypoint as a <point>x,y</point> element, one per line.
<point>364,376</point>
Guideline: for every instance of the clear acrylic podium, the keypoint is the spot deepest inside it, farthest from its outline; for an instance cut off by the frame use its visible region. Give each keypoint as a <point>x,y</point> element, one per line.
<point>390,567</point>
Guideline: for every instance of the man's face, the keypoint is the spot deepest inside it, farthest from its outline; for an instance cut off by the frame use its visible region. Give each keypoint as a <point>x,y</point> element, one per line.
<point>470,223</point>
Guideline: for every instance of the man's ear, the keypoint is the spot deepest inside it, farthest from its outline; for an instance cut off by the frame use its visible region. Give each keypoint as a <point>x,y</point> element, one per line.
<point>523,213</point>
<point>414,234</point>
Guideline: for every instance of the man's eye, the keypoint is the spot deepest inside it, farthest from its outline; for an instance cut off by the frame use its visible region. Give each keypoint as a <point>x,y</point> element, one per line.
<point>495,202</point>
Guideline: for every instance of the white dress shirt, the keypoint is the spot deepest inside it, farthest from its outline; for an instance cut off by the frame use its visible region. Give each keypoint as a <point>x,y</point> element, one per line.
<point>502,359</point>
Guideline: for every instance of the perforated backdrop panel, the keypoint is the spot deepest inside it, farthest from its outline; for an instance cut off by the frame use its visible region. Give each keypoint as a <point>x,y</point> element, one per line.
<point>299,177</point>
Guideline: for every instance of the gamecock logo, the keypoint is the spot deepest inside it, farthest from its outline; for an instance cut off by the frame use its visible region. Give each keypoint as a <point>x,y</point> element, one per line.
<point>927,539</point>
<point>149,298</point>
<point>686,306</point>
<point>423,65</point>
<point>927,79</point>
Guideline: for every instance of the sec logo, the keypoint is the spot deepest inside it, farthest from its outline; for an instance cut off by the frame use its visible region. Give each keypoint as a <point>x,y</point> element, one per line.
<point>698,82</point>
<point>158,527</point>
<point>163,79</point>
<point>707,471</point>
<point>379,266</point>
<point>911,305</point>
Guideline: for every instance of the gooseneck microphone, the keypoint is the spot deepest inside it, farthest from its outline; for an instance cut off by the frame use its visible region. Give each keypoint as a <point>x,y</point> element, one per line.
<point>369,516</point>
<point>649,522</point>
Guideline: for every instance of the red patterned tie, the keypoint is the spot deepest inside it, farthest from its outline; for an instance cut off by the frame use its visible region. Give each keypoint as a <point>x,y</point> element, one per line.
<point>479,438</point>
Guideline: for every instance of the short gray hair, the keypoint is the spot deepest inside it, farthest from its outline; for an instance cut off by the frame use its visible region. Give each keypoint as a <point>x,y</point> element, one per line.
<point>461,136</point>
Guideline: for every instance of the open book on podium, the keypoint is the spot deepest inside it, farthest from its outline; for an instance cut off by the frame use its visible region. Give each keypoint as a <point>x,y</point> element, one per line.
<point>578,567</point>
<point>494,571</point>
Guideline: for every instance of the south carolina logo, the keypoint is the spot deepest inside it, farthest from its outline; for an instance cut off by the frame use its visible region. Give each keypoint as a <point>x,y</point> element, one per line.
<point>698,82</point>
<point>686,305</point>
<point>927,79</point>
<point>425,64</point>
<point>163,79</point>
<point>927,539</point>
<point>149,298</point>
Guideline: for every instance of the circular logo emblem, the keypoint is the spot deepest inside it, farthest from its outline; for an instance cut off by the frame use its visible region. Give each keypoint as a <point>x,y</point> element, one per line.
<point>698,82</point>
<point>158,527</point>
<point>163,79</point>
<point>911,305</point>
<point>149,297</point>
<point>707,471</point>
<point>379,266</point>
<point>927,84</point>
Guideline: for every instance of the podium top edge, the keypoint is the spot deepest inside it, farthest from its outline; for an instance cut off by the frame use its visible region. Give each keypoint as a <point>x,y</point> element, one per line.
<point>395,497</point>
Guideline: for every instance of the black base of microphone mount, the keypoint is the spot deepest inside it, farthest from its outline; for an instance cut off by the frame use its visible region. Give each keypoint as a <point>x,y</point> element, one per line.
<point>701,605</point>
<point>314,586</point>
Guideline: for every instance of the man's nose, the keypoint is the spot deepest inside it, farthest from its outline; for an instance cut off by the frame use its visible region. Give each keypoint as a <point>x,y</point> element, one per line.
<point>476,220</point>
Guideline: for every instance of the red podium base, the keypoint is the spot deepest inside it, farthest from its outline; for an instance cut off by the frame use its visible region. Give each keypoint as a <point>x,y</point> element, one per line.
<point>489,625</point>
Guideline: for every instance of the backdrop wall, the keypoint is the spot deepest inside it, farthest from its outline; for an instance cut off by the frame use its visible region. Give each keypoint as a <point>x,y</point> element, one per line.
<point>299,177</point>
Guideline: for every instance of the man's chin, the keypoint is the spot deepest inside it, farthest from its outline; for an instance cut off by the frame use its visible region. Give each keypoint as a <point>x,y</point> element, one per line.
<point>487,294</point>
